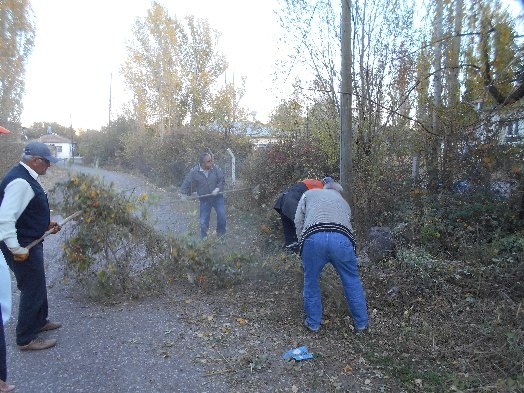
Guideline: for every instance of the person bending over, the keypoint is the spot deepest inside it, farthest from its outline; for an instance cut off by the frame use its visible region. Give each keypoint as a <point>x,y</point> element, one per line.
<point>323,222</point>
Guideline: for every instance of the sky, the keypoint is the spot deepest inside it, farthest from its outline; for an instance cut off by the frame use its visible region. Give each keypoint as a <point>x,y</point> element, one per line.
<point>80,46</point>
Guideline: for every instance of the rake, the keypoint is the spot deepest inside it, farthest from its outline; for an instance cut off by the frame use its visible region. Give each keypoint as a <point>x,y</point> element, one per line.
<point>254,190</point>
<point>47,233</point>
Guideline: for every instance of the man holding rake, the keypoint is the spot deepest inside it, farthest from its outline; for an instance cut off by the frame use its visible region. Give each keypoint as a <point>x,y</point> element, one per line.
<point>25,217</point>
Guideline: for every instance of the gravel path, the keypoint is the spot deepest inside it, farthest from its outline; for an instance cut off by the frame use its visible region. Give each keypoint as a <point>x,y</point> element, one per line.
<point>131,347</point>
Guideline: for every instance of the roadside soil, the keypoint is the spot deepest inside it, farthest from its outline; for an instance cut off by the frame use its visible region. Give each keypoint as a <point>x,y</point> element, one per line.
<point>196,338</point>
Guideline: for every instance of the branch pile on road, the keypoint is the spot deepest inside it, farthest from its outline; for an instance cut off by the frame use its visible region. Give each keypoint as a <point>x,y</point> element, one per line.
<point>113,251</point>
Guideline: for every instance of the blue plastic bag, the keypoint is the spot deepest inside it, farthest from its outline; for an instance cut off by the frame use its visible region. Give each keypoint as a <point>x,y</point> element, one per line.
<point>300,353</point>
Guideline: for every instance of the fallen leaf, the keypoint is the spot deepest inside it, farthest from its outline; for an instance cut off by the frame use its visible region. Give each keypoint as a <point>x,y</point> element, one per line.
<point>347,368</point>
<point>241,321</point>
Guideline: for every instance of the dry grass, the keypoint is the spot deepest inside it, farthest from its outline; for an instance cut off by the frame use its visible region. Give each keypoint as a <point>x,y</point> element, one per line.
<point>436,325</point>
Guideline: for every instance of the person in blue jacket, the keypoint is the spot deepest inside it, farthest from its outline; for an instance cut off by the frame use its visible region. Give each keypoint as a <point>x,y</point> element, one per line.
<point>207,179</point>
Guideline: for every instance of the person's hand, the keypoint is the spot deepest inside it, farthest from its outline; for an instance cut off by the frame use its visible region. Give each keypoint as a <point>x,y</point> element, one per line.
<point>54,227</point>
<point>183,197</point>
<point>215,191</point>
<point>20,254</point>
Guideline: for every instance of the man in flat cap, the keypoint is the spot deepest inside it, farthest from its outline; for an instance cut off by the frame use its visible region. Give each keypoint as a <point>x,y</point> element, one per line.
<point>25,217</point>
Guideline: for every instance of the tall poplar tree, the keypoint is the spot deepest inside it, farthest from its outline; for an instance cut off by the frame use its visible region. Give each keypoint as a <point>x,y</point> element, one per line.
<point>171,70</point>
<point>16,42</point>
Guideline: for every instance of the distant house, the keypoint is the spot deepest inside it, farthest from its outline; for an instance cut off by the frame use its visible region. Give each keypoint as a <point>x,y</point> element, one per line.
<point>261,136</point>
<point>61,147</point>
<point>511,125</point>
<point>508,122</point>
<point>262,141</point>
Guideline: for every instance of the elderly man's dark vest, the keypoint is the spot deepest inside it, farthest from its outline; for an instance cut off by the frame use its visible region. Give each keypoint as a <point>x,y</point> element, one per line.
<point>35,219</point>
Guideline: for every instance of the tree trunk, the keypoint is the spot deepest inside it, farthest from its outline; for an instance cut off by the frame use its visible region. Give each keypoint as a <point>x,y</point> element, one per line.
<point>433,166</point>
<point>346,131</point>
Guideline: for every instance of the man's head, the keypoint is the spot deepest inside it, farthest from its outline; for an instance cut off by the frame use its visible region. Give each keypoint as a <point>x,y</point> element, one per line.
<point>327,180</point>
<point>333,185</point>
<point>38,157</point>
<point>206,160</point>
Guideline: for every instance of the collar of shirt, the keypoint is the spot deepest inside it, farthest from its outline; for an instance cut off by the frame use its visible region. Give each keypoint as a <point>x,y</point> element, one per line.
<point>31,171</point>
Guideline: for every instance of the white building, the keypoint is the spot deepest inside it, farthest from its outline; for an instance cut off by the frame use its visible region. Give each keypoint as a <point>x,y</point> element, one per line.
<point>62,148</point>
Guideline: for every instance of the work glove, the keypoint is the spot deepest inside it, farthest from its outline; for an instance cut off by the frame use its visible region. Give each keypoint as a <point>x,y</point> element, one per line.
<point>20,254</point>
<point>215,191</point>
<point>183,197</point>
<point>54,227</point>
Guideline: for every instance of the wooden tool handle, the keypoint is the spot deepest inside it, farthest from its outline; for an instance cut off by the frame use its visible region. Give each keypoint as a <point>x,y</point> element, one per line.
<point>47,233</point>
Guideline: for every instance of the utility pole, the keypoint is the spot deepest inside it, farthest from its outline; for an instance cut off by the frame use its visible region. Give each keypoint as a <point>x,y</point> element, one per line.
<point>346,99</point>
<point>109,122</point>
<point>72,138</point>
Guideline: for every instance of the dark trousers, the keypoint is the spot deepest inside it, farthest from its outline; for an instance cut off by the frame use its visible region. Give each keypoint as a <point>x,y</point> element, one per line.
<point>30,281</point>
<point>3,351</point>
<point>290,233</point>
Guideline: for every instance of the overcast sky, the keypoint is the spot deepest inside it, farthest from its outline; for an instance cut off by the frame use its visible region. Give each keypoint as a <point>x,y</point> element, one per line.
<point>80,47</point>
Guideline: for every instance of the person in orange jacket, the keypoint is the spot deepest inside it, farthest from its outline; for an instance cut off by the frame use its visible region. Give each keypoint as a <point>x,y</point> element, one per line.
<point>286,206</point>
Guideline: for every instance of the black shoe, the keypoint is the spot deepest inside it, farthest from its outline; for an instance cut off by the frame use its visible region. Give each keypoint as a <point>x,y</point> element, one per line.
<point>293,247</point>
<point>362,331</point>
<point>310,328</point>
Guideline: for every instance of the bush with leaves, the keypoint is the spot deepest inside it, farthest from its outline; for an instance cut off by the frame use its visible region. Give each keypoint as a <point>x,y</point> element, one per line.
<point>112,243</point>
<point>10,152</point>
<point>166,160</point>
<point>465,226</point>
<point>280,165</point>
<point>113,251</point>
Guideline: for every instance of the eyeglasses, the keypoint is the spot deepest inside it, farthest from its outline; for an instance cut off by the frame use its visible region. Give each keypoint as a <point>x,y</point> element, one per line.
<point>43,159</point>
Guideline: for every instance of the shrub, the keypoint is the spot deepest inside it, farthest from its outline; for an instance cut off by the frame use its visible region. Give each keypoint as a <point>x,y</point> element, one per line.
<point>469,226</point>
<point>280,165</point>
<point>168,159</point>
<point>113,251</point>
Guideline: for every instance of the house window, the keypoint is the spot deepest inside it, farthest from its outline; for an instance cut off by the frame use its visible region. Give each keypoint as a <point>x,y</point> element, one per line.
<point>512,132</point>
<point>59,149</point>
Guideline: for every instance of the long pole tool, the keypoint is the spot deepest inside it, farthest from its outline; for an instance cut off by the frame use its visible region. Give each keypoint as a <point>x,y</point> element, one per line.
<point>47,233</point>
<point>254,190</point>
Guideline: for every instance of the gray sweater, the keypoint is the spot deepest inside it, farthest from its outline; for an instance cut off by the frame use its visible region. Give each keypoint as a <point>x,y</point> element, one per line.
<point>318,206</point>
<point>197,180</point>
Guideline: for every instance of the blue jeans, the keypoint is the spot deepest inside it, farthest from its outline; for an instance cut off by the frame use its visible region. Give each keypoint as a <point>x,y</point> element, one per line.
<point>206,204</point>
<point>319,249</point>
<point>30,280</point>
